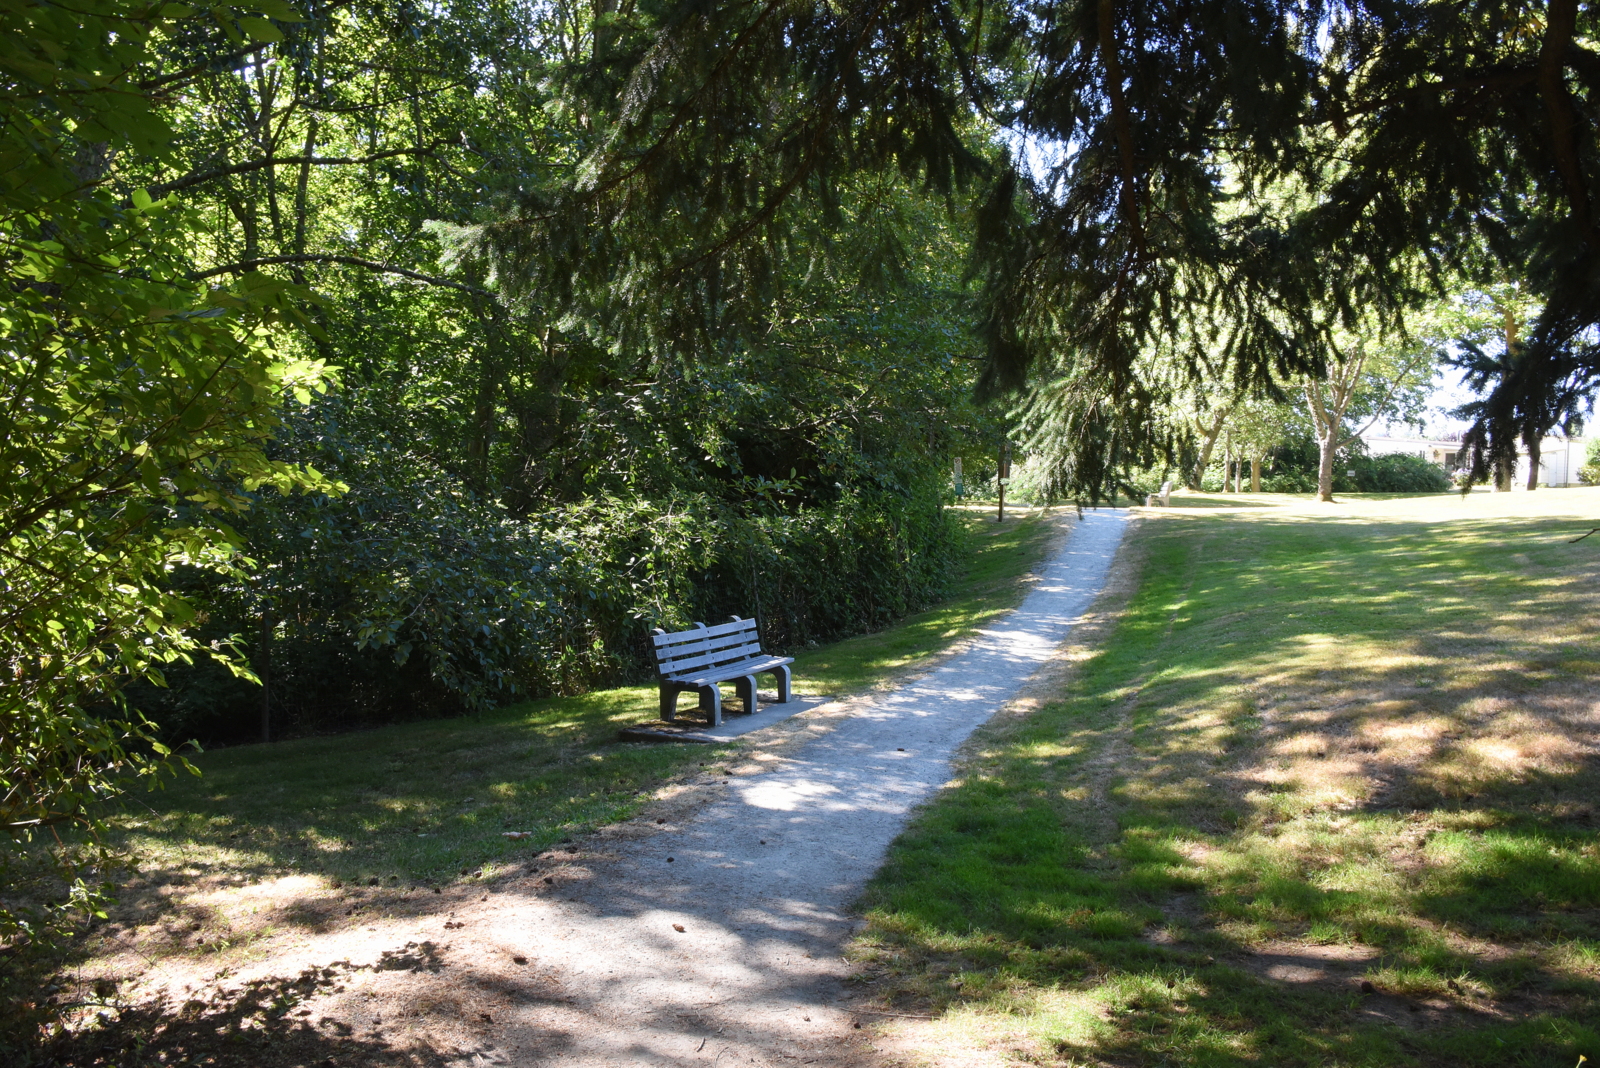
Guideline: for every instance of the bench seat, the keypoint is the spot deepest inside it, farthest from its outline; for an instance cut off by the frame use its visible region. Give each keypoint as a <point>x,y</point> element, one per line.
<point>700,658</point>
<point>754,666</point>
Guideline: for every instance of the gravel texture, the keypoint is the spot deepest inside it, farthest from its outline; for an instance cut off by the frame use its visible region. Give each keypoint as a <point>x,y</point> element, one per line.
<point>708,931</point>
<point>760,880</point>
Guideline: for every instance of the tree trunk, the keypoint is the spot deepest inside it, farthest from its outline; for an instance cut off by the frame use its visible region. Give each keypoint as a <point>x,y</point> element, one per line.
<point>1004,475</point>
<point>1208,444</point>
<point>263,666</point>
<point>1325,450</point>
<point>301,187</point>
<point>1504,473</point>
<point>481,429</point>
<point>1533,463</point>
<point>1327,427</point>
<point>1255,474</point>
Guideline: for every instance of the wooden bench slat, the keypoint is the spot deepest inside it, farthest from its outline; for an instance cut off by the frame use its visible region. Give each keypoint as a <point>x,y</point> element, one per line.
<point>721,641</point>
<point>710,645</point>
<point>686,649</point>
<point>731,626</point>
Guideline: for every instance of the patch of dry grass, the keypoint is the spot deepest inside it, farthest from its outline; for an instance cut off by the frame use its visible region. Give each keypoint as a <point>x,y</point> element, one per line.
<point>1371,726</point>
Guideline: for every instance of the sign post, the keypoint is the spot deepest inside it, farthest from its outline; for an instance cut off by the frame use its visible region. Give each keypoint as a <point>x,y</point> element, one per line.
<point>1004,478</point>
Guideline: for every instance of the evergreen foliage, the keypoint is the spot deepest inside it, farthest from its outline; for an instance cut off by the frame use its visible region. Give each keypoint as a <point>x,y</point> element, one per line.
<point>647,313</point>
<point>1219,187</point>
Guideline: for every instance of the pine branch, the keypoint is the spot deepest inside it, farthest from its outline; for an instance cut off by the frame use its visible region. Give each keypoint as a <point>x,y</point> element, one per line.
<point>1121,122</point>
<point>348,261</point>
<point>193,179</point>
<point>1559,30</point>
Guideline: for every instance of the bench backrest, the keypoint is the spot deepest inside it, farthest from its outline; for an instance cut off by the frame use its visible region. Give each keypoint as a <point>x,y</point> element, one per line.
<point>705,647</point>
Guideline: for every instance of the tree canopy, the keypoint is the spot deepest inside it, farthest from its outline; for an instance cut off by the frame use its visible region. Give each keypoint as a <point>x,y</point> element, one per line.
<point>643,313</point>
<point>1237,181</point>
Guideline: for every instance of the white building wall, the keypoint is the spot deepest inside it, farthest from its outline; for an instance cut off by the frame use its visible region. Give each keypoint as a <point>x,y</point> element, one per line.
<point>1559,458</point>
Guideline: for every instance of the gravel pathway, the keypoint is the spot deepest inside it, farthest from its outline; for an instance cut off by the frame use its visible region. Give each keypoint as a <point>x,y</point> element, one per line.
<point>717,939</point>
<point>708,932</point>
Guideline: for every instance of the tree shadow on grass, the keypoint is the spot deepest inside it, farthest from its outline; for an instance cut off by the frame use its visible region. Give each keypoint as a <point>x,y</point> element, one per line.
<point>1327,798</point>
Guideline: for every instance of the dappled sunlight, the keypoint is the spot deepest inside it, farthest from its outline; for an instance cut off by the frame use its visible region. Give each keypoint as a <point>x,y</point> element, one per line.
<point>1340,762</point>
<point>791,795</point>
<point>383,850</point>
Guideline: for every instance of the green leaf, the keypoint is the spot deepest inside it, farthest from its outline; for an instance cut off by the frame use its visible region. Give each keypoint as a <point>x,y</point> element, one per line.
<point>276,9</point>
<point>260,30</point>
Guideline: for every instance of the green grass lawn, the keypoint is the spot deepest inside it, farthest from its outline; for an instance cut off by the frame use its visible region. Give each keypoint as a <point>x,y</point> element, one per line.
<point>1324,746</point>
<point>424,803</point>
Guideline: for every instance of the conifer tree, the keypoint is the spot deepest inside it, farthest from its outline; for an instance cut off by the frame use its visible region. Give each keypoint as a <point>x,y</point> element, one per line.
<point>1143,201</point>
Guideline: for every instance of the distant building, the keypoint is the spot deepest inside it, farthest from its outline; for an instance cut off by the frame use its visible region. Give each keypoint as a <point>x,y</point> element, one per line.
<point>1559,458</point>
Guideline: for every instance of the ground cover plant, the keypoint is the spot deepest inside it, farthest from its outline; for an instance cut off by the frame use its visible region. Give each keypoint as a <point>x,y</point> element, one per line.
<point>1325,795</point>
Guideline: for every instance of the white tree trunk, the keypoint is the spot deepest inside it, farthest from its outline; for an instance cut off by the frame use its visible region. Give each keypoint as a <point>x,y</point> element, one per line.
<point>1325,466</point>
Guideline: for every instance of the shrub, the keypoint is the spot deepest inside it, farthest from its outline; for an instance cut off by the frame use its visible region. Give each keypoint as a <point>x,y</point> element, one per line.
<point>409,597</point>
<point>1391,473</point>
<point>1589,473</point>
<point>1289,482</point>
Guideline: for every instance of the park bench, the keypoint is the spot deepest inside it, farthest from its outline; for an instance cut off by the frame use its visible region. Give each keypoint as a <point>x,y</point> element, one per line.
<point>700,658</point>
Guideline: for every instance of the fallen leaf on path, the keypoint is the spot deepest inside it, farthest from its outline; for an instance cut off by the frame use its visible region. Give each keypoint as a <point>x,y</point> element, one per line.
<point>678,927</point>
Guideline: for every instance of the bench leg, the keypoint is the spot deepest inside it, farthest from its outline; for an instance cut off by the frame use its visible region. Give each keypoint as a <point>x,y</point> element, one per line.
<point>669,703</point>
<point>711,701</point>
<point>782,675</point>
<point>746,688</point>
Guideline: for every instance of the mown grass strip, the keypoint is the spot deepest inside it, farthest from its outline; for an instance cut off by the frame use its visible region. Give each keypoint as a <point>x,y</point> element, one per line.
<point>429,802</point>
<point>1323,747</point>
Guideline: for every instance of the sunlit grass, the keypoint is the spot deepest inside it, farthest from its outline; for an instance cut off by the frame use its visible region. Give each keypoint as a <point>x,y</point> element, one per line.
<point>429,802</point>
<point>1361,733</point>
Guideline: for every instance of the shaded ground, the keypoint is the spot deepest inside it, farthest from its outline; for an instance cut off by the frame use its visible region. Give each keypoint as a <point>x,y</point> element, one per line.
<point>421,805</point>
<point>1324,796</point>
<point>707,929</point>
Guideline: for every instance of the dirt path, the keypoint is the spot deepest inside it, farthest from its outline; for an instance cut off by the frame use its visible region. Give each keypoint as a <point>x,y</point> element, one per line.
<point>709,933</point>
